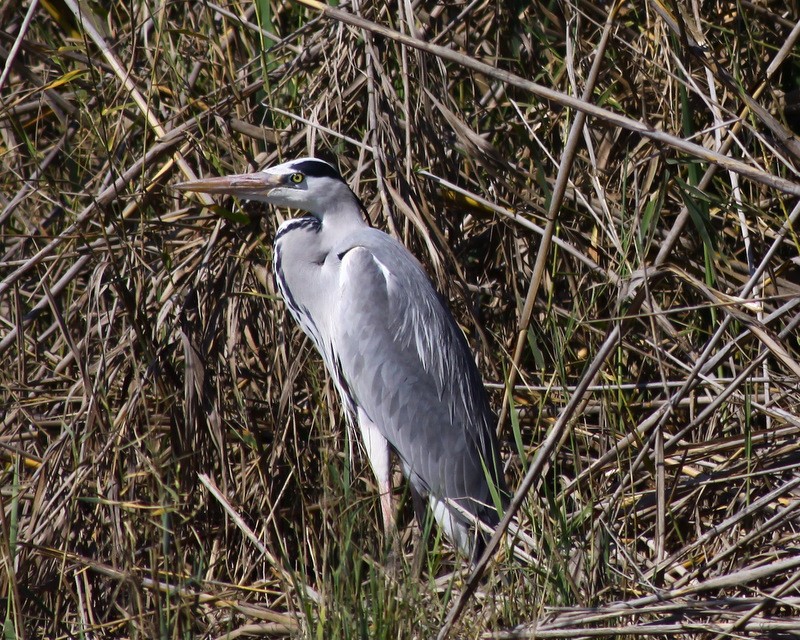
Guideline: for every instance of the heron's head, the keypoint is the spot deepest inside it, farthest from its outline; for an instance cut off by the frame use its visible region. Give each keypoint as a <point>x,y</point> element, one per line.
<point>306,183</point>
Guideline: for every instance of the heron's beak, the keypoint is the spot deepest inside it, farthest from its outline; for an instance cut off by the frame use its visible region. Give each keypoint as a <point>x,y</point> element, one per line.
<point>245,185</point>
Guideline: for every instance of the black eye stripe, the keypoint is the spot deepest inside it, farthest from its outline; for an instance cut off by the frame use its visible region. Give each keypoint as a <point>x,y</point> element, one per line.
<point>317,169</point>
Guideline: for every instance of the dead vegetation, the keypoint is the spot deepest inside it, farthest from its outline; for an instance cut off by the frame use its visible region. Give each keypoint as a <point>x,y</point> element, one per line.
<point>174,463</point>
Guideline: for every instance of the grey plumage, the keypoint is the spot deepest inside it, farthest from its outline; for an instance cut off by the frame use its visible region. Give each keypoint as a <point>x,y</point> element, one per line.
<point>400,363</point>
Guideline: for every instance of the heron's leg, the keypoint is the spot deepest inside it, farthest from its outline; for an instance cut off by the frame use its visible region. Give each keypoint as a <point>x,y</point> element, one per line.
<point>420,537</point>
<point>454,528</point>
<point>378,453</point>
<point>420,507</point>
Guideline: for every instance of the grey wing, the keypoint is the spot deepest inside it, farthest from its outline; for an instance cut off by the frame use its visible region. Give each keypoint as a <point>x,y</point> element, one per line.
<point>410,370</point>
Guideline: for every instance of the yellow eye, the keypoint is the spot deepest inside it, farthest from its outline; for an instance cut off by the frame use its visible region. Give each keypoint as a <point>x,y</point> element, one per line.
<point>297,178</point>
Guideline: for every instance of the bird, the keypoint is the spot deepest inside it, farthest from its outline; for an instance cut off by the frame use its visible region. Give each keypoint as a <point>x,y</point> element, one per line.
<point>402,367</point>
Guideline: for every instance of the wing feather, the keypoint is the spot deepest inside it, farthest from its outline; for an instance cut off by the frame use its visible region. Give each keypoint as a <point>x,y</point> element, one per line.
<point>409,368</point>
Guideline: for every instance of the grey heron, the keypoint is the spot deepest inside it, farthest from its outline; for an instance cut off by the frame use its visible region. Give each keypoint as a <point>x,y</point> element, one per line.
<point>402,367</point>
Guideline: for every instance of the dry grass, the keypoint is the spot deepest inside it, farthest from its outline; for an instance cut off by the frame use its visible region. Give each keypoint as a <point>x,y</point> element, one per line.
<point>174,461</point>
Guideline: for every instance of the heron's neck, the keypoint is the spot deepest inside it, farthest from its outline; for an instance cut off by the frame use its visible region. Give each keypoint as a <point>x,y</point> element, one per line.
<point>342,217</point>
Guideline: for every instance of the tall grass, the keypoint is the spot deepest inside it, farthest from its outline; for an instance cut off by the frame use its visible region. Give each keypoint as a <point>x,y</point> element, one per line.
<point>175,463</point>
